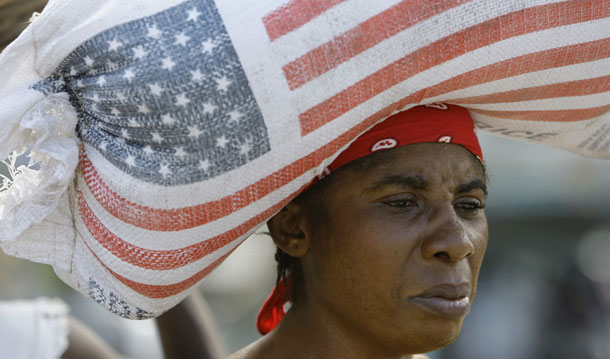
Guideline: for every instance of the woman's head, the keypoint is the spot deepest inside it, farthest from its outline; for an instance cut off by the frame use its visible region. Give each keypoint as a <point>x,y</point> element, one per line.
<point>389,246</point>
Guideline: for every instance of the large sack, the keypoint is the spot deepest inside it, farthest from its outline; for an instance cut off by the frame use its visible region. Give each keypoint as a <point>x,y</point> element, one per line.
<point>197,120</point>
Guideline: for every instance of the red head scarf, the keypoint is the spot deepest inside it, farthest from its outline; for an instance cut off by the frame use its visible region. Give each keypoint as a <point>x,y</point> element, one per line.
<point>421,124</point>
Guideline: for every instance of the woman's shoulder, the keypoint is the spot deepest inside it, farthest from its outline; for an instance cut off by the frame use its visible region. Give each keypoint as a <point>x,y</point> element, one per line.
<point>252,351</point>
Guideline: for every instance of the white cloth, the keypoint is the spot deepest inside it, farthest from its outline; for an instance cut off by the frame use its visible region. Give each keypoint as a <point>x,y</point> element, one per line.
<point>33,329</point>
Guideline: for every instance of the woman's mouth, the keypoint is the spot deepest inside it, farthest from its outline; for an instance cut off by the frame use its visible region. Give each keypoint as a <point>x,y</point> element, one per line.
<point>447,300</point>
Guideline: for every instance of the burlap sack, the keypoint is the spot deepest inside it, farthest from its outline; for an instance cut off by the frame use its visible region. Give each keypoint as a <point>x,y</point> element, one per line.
<point>166,131</point>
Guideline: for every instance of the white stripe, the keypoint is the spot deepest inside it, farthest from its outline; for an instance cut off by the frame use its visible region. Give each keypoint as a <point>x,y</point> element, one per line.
<point>582,71</point>
<point>421,35</point>
<point>158,240</point>
<point>549,104</point>
<point>324,28</point>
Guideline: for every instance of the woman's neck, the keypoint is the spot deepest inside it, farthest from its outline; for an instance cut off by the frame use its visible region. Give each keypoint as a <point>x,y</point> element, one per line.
<point>304,333</point>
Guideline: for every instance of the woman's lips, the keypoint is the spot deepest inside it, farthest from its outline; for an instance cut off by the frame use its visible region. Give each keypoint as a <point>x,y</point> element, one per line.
<point>447,300</point>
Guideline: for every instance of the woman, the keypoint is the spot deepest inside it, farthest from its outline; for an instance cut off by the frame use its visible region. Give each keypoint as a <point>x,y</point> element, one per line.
<point>383,254</point>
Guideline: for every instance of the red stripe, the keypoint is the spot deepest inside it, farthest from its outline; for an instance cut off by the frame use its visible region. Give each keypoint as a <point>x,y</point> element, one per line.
<point>164,259</point>
<point>163,291</point>
<point>295,14</point>
<point>558,57</point>
<point>563,89</point>
<point>510,25</point>
<point>183,218</point>
<point>547,115</point>
<point>361,38</point>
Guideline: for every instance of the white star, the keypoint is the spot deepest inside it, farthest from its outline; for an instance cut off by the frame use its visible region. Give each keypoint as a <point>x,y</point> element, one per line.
<point>72,71</point>
<point>223,83</point>
<point>245,148</point>
<point>103,146</point>
<point>235,116</point>
<point>157,137</point>
<point>115,111</point>
<point>88,61</point>
<point>155,89</point>
<point>181,100</point>
<point>143,109</point>
<point>121,96</point>
<point>154,32</point>
<point>148,150</point>
<point>222,141</point>
<point>197,75</point>
<point>95,98</point>
<point>181,39</point>
<point>113,45</point>
<point>129,74</point>
<point>79,83</point>
<point>164,170</point>
<point>209,108</point>
<point>101,81</point>
<point>139,52</point>
<point>167,119</point>
<point>194,131</point>
<point>208,46</point>
<point>193,14</point>
<point>133,123</point>
<point>180,152</point>
<point>131,160</point>
<point>204,165</point>
<point>124,133</point>
<point>168,64</point>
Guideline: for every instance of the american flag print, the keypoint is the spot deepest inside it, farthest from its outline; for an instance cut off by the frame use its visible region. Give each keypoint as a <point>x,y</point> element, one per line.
<point>201,121</point>
<point>164,98</point>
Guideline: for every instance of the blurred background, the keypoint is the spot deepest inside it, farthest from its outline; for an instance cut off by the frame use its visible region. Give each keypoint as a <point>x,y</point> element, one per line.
<point>544,289</point>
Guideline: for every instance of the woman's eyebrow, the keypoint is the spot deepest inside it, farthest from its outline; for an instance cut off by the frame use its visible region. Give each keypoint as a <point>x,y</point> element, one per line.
<point>474,184</point>
<point>416,182</point>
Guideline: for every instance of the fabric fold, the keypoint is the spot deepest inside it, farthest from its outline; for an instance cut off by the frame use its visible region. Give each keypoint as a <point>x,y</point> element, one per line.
<point>46,130</point>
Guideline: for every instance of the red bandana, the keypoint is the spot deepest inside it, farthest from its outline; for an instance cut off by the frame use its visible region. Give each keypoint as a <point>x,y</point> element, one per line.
<point>431,123</point>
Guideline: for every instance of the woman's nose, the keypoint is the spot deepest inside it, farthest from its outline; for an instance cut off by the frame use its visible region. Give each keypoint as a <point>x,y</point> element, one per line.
<point>446,238</point>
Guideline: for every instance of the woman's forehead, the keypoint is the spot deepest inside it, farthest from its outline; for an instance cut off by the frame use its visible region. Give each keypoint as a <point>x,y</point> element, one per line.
<point>417,165</point>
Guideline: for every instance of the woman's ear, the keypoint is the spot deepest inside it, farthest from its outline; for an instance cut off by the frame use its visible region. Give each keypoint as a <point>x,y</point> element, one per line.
<point>289,229</point>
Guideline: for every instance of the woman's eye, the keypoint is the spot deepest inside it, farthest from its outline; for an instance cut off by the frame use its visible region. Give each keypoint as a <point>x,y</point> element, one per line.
<point>469,206</point>
<point>401,203</point>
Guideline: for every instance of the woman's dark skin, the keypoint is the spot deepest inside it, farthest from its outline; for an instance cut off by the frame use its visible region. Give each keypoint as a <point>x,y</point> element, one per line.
<point>409,223</point>
<point>189,330</point>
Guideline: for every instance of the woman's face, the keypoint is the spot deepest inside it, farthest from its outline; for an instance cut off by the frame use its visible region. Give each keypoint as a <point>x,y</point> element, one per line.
<point>396,260</point>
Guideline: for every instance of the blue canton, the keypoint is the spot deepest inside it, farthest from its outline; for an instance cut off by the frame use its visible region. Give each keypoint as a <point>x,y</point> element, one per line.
<point>165,98</point>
